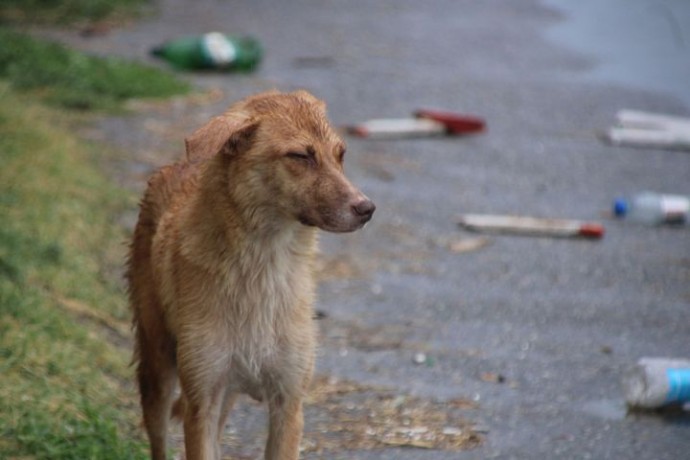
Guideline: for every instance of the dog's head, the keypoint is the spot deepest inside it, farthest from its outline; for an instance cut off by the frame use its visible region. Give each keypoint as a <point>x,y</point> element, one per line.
<point>282,155</point>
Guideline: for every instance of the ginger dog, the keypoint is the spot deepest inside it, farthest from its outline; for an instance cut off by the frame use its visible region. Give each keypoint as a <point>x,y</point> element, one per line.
<point>220,270</point>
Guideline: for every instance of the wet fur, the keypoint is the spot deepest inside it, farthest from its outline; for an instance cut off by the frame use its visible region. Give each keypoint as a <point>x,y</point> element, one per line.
<point>221,270</point>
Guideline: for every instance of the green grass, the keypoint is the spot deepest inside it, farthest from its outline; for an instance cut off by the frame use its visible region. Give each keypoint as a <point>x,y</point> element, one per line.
<point>65,380</point>
<point>63,384</point>
<point>67,11</point>
<point>70,79</point>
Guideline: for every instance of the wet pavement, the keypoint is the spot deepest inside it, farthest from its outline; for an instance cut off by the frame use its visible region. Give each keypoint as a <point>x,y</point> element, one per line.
<point>514,349</point>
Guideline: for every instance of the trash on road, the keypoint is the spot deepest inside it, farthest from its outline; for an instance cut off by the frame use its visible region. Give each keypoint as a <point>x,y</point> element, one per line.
<point>642,129</point>
<point>455,123</point>
<point>425,123</point>
<point>419,358</point>
<point>657,382</point>
<point>422,358</point>
<point>213,50</point>
<point>361,417</point>
<point>467,244</point>
<point>532,226</point>
<point>492,377</point>
<point>653,208</point>
<point>396,128</point>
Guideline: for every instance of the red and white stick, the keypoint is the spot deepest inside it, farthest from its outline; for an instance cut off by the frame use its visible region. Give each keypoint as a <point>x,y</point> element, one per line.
<point>532,226</point>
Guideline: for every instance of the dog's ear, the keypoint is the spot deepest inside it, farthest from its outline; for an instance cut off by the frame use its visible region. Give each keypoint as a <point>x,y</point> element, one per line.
<point>220,135</point>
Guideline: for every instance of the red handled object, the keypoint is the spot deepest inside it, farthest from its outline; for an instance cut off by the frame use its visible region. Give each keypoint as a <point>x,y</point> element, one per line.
<point>455,123</point>
<point>519,225</point>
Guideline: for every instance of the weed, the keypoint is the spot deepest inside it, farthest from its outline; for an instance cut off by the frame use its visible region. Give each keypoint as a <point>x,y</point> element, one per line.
<point>74,80</point>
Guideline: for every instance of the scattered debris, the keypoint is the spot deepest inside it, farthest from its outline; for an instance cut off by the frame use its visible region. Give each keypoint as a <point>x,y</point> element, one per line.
<point>369,418</point>
<point>452,431</point>
<point>423,358</point>
<point>643,129</point>
<point>531,226</point>
<point>394,128</point>
<point>455,123</point>
<point>656,382</point>
<point>467,244</point>
<point>654,208</point>
<point>212,50</point>
<point>492,377</point>
<point>425,123</point>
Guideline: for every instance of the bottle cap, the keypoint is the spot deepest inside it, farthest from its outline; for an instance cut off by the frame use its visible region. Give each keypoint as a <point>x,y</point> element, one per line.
<point>620,207</point>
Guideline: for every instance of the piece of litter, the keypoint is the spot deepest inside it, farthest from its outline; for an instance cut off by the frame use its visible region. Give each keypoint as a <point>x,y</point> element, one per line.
<point>402,442</point>
<point>492,377</point>
<point>657,382</point>
<point>467,244</point>
<point>631,137</point>
<point>359,417</point>
<point>419,358</point>
<point>455,123</point>
<point>642,129</point>
<point>412,431</point>
<point>426,122</point>
<point>531,226</point>
<point>393,128</point>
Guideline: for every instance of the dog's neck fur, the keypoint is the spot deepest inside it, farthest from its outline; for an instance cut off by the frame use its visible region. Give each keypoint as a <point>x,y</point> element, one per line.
<point>224,227</point>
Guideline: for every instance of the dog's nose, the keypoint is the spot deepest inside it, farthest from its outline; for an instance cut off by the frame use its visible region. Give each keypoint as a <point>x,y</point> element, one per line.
<point>364,208</point>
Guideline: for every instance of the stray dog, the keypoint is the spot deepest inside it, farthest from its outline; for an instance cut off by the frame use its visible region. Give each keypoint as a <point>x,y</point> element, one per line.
<point>220,270</point>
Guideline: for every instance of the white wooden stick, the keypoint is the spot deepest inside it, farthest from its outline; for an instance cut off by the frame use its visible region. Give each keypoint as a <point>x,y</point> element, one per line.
<point>645,120</point>
<point>531,226</point>
<point>393,128</point>
<point>649,138</point>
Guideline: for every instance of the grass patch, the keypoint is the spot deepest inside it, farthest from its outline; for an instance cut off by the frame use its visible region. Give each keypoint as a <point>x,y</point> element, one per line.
<point>67,78</point>
<point>63,385</point>
<point>67,11</point>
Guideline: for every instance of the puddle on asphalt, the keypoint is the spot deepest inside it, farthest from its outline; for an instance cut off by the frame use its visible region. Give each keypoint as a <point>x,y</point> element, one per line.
<point>638,43</point>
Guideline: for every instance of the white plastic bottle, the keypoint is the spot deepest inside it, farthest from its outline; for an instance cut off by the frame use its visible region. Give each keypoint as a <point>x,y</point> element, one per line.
<point>656,382</point>
<point>654,208</point>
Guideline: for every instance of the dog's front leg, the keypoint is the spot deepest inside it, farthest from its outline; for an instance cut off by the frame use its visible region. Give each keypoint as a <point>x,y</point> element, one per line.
<point>285,430</point>
<point>201,426</point>
<point>203,374</point>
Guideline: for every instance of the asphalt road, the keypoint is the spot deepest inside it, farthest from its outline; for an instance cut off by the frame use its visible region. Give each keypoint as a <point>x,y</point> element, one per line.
<point>534,333</point>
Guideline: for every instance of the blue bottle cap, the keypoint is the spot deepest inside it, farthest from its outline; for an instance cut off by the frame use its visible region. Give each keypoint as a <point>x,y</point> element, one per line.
<point>620,207</point>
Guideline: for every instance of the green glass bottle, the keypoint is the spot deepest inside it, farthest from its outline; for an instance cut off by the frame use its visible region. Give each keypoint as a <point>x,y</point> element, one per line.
<point>213,50</point>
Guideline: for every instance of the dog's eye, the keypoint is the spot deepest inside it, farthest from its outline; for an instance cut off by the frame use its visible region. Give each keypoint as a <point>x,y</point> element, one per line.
<point>297,155</point>
<point>308,157</point>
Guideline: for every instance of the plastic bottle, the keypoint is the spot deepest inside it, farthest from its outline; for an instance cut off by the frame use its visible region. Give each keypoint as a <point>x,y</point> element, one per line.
<point>656,382</point>
<point>213,50</point>
<point>653,208</point>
